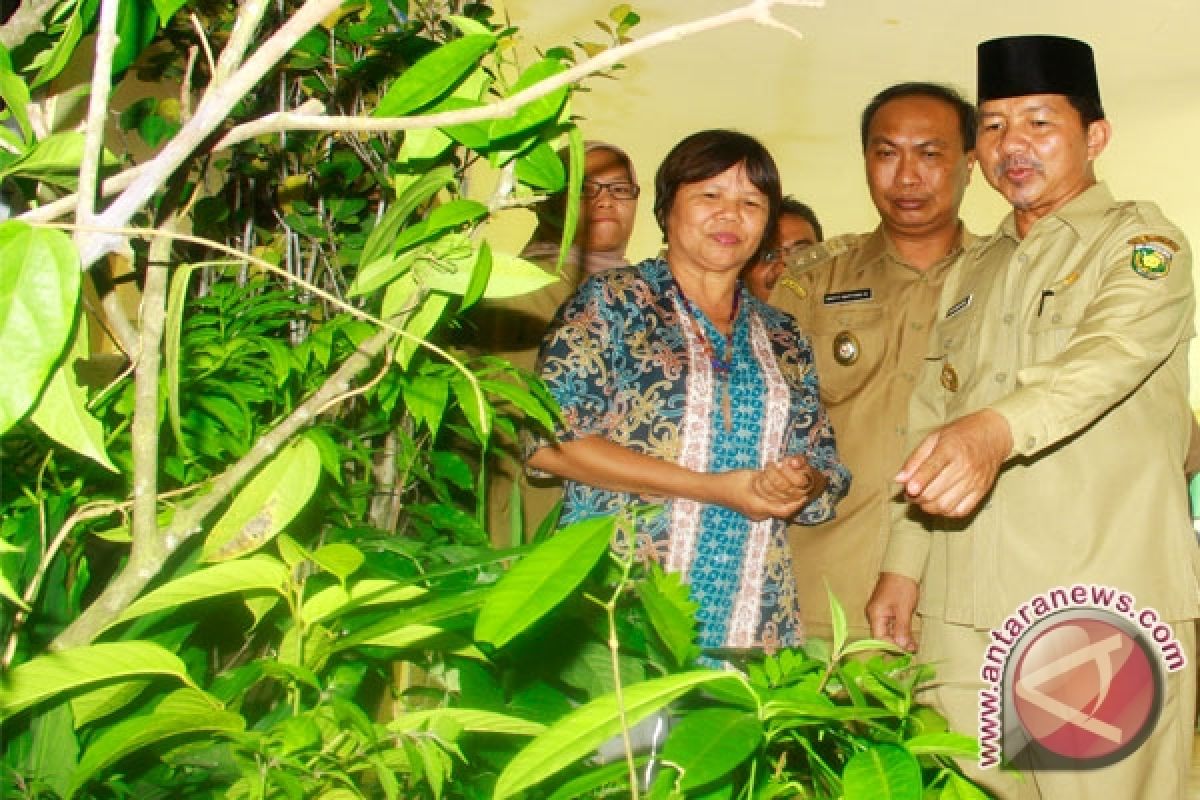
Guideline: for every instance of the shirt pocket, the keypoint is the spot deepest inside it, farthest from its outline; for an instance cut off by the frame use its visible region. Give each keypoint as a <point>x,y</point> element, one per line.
<point>849,344</point>
<point>1055,318</point>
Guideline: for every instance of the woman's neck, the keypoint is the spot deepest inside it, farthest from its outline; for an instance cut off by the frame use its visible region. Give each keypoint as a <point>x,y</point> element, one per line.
<point>715,294</point>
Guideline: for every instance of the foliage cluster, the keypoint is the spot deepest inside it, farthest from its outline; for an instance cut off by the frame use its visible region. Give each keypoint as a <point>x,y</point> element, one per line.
<point>242,536</point>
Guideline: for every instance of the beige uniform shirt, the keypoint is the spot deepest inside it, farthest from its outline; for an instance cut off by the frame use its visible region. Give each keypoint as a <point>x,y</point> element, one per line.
<point>868,315</point>
<point>1076,334</point>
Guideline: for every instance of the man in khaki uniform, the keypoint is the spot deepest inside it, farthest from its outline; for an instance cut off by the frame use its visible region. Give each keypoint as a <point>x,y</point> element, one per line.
<point>1055,406</point>
<point>867,302</point>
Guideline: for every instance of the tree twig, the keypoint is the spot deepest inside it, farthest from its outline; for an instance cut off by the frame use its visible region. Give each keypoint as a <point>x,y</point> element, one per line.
<point>28,19</point>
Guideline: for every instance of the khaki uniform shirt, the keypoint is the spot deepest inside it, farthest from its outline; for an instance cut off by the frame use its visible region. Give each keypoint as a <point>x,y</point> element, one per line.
<point>1076,334</point>
<point>868,315</point>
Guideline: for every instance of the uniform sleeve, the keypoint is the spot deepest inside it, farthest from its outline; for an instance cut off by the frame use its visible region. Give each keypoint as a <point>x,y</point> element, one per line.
<point>575,362</point>
<point>1137,317</point>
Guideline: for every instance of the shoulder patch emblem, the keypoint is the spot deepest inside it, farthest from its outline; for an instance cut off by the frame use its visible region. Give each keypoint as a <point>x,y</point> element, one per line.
<point>1152,255</point>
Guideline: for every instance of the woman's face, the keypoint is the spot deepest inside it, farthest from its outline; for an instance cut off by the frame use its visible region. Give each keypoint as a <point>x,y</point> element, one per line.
<point>606,222</point>
<point>716,225</point>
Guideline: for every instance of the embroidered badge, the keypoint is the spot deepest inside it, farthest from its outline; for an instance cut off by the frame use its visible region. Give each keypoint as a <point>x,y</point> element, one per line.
<point>852,296</point>
<point>949,378</point>
<point>1152,255</point>
<point>959,307</point>
<point>789,283</point>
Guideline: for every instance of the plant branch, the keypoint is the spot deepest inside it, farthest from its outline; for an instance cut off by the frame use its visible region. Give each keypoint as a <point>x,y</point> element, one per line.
<point>756,11</point>
<point>93,139</point>
<point>148,557</point>
<point>28,19</point>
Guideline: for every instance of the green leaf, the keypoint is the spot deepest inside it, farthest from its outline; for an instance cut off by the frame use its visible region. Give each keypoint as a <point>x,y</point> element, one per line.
<point>39,292</point>
<point>577,158</point>
<point>672,614</point>
<point>15,93</point>
<point>543,579</point>
<point>407,201</point>
<point>54,752</point>
<point>837,616</point>
<point>443,218</point>
<point>537,111</point>
<point>52,674</point>
<point>266,504</point>
<point>97,703</point>
<point>363,594</point>
<point>54,159</point>
<point>420,325</point>
<point>422,144</point>
<point>959,788</point>
<point>137,22</point>
<point>883,772</point>
<point>871,645</point>
<point>481,273</point>
<point>468,26</point>
<point>10,593</point>
<point>172,334</point>
<point>467,719</point>
<point>339,559</point>
<point>542,168</point>
<point>433,75</point>
<point>182,712</point>
<point>62,413</point>
<point>522,399</point>
<point>55,61</point>
<point>954,745</point>
<point>710,743</point>
<point>167,8</point>
<point>513,276</point>
<point>425,397</point>
<point>259,573</point>
<point>579,733</point>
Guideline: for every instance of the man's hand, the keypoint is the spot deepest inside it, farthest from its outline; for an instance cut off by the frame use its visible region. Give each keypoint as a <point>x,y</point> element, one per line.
<point>891,607</point>
<point>954,467</point>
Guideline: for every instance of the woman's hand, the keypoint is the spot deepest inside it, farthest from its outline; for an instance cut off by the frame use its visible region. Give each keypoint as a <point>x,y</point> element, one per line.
<point>779,490</point>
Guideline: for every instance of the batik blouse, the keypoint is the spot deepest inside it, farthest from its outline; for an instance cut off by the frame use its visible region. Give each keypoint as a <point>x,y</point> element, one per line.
<point>630,360</point>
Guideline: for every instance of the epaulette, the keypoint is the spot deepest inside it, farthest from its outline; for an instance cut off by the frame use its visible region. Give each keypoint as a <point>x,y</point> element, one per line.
<point>807,257</point>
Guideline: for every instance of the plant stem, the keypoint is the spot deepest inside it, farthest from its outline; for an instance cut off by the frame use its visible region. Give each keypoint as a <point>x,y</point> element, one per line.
<point>610,609</point>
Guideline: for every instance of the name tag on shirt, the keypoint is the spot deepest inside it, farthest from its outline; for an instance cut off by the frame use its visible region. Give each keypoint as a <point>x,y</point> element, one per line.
<point>851,296</point>
<point>959,307</point>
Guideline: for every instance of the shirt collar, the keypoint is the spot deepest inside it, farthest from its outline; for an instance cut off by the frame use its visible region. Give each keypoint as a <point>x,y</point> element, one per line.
<point>878,245</point>
<point>1083,213</point>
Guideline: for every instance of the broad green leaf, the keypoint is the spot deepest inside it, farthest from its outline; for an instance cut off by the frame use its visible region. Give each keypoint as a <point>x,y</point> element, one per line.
<point>578,734</point>
<point>481,273</point>
<point>54,673</point>
<point>467,719</point>
<point>39,292</point>
<point>522,399</point>
<point>468,26</point>
<point>837,616</point>
<point>380,240</point>
<point>609,776</point>
<point>442,218</point>
<point>258,573</point>
<point>396,631</point>
<point>959,788</point>
<point>15,93</point>
<point>423,144</point>
<point>54,750</point>
<point>710,743</point>
<point>172,335</point>
<point>433,75</point>
<point>420,325</point>
<point>883,772</point>
<point>541,167</point>
<point>425,397</point>
<point>62,413</point>
<point>339,559</point>
<point>137,22</point>
<point>954,745</point>
<point>334,600</point>
<point>266,504</point>
<point>180,713</point>
<point>538,111</point>
<point>167,8</point>
<point>543,579</point>
<point>672,615</point>
<point>54,159</point>
<point>10,593</point>
<point>55,60</point>
<point>96,703</point>
<point>382,271</point>
<point>513,276</point>
<point>576,168</point>
<point>869,645</point>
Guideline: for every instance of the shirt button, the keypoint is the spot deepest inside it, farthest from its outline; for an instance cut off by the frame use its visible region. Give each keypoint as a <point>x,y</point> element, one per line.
<point>1001,377</point>
<point>916,326</point>
<point>1022,259</point>
<point>901,430</point>
<point>1030,443</point>
<point>908,376</point>
<point>1056,318</point>
<point>1008,318</point>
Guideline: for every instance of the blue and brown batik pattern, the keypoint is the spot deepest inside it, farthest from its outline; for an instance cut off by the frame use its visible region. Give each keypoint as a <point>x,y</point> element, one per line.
<point>624,364</point>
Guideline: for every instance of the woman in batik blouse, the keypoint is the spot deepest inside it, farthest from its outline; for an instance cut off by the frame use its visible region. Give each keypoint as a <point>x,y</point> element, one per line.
<point>679,387</point>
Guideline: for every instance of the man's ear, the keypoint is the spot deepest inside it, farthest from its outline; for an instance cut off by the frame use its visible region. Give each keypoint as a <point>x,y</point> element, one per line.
<point>1098,134</point>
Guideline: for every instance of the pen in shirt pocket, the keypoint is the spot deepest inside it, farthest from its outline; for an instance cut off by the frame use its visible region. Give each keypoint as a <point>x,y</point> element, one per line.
<point>1055,288</point>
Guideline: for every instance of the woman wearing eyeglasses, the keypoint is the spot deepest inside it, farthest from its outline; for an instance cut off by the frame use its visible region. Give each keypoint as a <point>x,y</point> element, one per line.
<point>679,387</point>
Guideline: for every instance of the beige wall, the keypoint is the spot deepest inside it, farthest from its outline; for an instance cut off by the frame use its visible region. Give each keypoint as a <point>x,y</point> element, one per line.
<point>802,97</point>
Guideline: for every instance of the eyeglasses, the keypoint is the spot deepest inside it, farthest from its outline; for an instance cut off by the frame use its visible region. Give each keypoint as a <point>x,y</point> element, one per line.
<point>619,191</point>
<point>783,253</point>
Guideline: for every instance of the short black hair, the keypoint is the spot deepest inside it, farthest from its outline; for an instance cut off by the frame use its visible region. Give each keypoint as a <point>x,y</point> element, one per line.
<point>703,155</point>
<point>795,208</point>
<point>1089,108</point>
<point>947,94</point>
